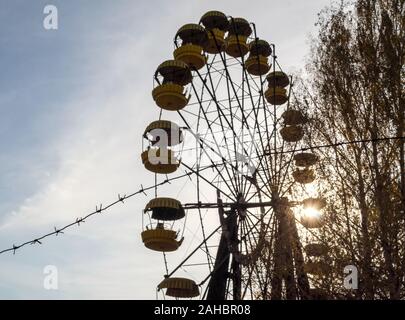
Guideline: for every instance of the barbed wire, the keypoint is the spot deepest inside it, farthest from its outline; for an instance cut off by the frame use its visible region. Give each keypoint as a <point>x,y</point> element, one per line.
<point>336,144</point>
<point>99,210</point>
<point>121,199</point>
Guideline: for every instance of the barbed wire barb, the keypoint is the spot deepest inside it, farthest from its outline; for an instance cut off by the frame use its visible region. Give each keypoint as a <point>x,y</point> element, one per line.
<point>58,231</point>
<point>79,221</point>
<point>121,199</point>
<point>143,190</point>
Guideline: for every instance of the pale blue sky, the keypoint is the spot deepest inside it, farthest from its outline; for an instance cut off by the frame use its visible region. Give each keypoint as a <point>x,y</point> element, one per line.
<point>73,105</point>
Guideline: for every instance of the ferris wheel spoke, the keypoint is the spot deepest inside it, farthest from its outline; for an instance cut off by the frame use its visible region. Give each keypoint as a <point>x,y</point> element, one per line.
<point>239,87</point>
<point>225,164</point>
<point>193,252</point>
<point>228,77</point>
<point>285,165</point>
<point>210,258</point>
<point>257,119</point>
<point>248,285</point>
<point>218,179</point>
<point>226,194</point>
<point>224,130</point>
<point>245,77</point>
<point>208,255</point>
<point>259,168</point>
<point>257,127</point>
<point>230,124</point>
<point>262,189</point>
<point>260,232</point>
<point>249,244</point>
<point>249,281</point>
<point>191,104</point>
<point>285,169</point>
<point>289,153</point>
<point>259,87</point>
<point>253,141</point>
<point>227,120</point>
<point>202,143</point>
<point>269,114</point>
<point>234,183</point>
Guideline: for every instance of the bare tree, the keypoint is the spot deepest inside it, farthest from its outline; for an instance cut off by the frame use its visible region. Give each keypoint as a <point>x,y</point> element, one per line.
<point>354,90</point>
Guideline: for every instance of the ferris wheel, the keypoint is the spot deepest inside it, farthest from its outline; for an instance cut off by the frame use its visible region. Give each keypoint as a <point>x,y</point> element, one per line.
<point>226,119</point>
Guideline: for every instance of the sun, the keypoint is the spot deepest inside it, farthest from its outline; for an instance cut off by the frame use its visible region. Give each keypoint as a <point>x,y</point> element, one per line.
<point>311,212</point>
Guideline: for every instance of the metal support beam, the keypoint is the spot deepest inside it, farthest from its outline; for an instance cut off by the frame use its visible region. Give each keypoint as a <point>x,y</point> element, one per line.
<point>220,274</point>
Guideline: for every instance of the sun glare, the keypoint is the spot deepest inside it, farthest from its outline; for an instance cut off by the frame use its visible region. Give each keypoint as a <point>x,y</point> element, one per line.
<point>312,213</point>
